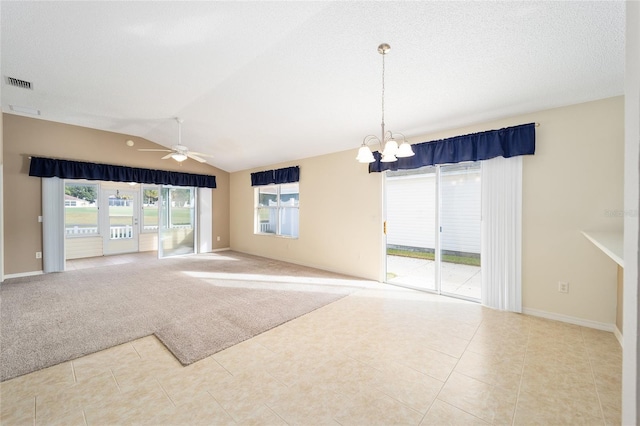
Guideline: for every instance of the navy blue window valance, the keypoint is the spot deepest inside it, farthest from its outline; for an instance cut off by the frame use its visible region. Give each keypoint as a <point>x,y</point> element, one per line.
<point>66,169</point>
<point>286,175</point>
<point>507,142</point>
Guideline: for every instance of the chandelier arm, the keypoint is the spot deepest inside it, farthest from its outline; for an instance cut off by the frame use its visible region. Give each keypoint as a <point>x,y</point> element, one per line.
<point>404,138</point>
<point>367,139</point>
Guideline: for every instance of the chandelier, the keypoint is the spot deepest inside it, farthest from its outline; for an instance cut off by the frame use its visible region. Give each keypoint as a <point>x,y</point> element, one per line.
<point>391,151</point>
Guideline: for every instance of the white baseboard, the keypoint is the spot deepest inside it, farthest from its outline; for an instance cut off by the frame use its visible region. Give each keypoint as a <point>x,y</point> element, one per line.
<point>618,335</point>
<point>571,320</point>
<point>219,249</point>
<point>23,274</point>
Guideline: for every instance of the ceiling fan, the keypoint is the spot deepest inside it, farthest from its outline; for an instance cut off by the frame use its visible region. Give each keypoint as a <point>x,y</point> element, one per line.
<point>179,152</point>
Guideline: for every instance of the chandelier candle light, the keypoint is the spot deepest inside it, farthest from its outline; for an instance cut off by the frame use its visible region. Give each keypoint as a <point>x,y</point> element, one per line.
<point>391,151</point>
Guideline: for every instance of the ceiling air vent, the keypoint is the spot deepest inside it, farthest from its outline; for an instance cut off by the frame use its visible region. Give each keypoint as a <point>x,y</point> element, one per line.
<point>16,82</point>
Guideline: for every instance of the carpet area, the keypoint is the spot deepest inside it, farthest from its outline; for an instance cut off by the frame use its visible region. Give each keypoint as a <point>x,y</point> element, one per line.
<point>196,305</point>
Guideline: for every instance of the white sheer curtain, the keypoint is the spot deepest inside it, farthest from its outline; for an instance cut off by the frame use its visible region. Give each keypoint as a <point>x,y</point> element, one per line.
<point>502,233</point>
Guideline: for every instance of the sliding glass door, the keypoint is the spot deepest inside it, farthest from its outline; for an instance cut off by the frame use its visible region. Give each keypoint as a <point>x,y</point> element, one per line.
<point>433,229</point>
<point>411,228</point>
<point>460,230</point>
<point>177,221</point>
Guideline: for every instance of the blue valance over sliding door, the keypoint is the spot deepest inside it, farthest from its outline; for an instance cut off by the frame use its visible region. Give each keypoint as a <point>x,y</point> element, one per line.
<point>507,142</point>
<point>267,177</point>
<point>66,169</point>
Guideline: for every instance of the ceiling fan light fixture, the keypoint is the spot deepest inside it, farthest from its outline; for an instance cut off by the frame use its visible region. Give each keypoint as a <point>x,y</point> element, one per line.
<point>178,157</point>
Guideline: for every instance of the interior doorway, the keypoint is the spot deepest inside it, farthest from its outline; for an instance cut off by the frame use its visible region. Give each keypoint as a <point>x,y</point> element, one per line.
<point>433,229</point>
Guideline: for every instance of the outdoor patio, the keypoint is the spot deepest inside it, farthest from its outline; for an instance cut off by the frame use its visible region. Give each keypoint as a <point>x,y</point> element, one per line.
<point>456,279</point>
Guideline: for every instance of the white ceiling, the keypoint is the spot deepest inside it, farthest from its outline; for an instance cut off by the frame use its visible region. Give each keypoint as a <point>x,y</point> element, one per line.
<point>259,83</point>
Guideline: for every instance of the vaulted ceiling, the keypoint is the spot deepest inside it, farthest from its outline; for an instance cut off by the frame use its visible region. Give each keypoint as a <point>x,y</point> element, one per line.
<point>257,83</point>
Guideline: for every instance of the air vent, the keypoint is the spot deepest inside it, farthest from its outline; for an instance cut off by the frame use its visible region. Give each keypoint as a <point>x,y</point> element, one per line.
<point>16,82</point>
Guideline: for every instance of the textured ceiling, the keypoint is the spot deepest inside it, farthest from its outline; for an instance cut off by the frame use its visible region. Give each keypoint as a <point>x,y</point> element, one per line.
<point>263,82</point>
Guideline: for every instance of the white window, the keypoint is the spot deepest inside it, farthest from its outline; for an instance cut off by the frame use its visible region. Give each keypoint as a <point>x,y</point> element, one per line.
<point>277,209</point>
<point>80,209</point>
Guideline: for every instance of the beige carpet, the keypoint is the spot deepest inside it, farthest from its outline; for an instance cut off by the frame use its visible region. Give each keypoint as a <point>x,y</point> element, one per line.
<point>196,305</point>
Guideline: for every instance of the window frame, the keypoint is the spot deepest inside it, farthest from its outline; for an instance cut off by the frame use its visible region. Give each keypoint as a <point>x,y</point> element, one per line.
<point>278,209</point>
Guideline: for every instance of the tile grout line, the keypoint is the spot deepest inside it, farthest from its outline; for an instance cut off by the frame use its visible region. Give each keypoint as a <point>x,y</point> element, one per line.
<point>165,393</point>
<point>524,360</point>
<point>115,379</point>
<point>222,406</point>
<point>276,413</point>
<point>73,372</point>
<point>593,374</point>
<point>136,351</point>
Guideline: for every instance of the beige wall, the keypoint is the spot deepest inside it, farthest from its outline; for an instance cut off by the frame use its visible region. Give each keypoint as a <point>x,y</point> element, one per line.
<point>574,179</point>
<point>340,217</point>
<point>24,137</point>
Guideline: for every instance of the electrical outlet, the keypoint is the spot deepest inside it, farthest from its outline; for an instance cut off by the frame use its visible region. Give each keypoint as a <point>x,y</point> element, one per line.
<point>38,255</point>
<point>218,238</point>
<point>563,287</point>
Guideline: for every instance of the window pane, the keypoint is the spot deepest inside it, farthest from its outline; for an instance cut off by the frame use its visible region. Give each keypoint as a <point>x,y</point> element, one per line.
<point>150,208</point>
<point>268,196</point>
<point>289,220</point>
<point>266,220</point>
<point>276,209</point>
<point>181,200</point>
<point>80,209</point>
<point>289,195</point>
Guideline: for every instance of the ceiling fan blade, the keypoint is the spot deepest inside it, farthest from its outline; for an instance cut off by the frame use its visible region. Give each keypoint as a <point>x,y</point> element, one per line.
<point>154,150</point>
<point>201,154</point>
<point>195,157</point>
<point>167,156</point>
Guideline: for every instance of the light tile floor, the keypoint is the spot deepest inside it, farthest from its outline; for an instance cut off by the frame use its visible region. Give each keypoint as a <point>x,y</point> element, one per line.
<point>388,356</point>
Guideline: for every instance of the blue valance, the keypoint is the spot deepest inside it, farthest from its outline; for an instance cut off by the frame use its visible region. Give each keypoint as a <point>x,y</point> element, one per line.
<point>286,175</point>
<point>507,142</point>
<point>66,169</point>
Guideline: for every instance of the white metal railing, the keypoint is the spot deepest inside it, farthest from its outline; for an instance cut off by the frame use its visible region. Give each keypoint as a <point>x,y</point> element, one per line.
<point>115,232</point>
<point>77,230</point>
<point>120,232</point>
<point>265,227</point>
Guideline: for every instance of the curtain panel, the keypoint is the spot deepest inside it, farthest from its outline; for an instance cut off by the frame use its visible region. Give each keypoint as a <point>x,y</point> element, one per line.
<point>507,142</point>
<point>278,176</point>
<point>502,234</point>
<point>67,169</point>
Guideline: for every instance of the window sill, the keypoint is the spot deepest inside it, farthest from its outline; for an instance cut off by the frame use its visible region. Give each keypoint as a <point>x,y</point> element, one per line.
<point>288,237</point>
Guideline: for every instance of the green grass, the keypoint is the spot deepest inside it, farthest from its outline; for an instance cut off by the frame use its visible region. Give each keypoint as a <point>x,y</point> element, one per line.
<point>461,260</point>
<point>89,216</point>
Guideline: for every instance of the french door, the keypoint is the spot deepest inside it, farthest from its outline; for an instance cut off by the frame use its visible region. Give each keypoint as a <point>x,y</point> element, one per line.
<point>120,211</point>
<point>433,229</point>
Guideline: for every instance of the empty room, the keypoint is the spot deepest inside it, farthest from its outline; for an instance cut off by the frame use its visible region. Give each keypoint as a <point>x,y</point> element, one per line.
<point>346,213</point>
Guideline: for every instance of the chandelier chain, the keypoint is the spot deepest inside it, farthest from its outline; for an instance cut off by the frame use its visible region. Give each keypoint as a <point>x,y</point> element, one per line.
<point>383,55</point>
